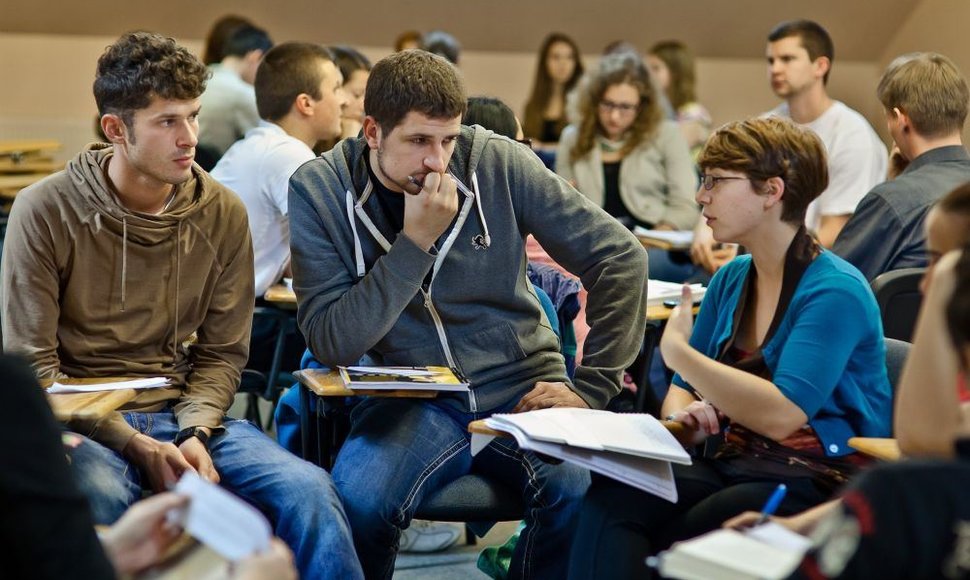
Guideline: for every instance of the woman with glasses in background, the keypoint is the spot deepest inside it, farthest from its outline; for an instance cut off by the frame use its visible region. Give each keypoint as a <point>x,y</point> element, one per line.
<point>785,362</point>
<point>622,154</point>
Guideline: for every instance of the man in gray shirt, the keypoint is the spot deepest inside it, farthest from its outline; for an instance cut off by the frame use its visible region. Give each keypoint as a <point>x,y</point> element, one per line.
<point>926,99</point>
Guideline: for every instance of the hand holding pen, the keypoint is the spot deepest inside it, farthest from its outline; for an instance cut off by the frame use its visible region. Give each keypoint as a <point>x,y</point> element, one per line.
<point>771,506</point>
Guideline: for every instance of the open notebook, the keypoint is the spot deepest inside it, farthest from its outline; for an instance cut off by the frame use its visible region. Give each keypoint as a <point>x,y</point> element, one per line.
<point>767,552</point>
<point>629,447</point>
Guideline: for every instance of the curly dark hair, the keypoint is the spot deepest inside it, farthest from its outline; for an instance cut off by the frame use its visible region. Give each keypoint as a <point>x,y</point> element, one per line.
<point>141,65</point>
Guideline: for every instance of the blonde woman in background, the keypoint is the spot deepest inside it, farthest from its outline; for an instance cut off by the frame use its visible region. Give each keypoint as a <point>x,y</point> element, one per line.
<point>672,65</point>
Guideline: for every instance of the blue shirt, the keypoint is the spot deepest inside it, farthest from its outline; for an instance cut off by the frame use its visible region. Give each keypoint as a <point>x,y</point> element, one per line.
<point>827,356</point>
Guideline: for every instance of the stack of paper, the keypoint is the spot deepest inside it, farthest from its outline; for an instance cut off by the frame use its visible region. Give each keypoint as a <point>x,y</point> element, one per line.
<point>402,378</point>
<point>666,239</point>
<point>633,448</point>
<point>149,383</point>
<point>659,290</point>
<point>765,552</point>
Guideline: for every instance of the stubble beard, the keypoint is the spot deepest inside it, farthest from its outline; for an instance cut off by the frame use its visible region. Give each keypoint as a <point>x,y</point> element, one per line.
<point>405,186</point>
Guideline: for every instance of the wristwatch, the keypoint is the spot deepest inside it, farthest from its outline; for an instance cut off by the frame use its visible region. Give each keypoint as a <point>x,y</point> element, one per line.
<point>189,432</point>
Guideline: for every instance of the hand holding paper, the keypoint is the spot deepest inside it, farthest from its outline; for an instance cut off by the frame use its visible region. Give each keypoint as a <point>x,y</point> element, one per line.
<point>222,521</point>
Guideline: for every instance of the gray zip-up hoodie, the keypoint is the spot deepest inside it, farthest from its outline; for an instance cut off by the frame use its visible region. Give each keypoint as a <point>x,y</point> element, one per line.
<point>359,284</point>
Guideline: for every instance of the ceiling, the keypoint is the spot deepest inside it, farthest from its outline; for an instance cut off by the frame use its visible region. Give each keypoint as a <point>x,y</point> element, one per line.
<point>713,28</point>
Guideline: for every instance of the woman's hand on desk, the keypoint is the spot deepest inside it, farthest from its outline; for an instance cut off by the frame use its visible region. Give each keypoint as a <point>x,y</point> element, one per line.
<point>545,395</point>
<point>162,463</point>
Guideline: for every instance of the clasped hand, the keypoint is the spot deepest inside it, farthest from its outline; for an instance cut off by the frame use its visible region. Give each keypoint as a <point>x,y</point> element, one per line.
<point>545,395</point>
<point>164,463</point>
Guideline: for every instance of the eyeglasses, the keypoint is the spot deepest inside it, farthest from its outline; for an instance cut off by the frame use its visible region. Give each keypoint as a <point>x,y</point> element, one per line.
<point>622,108</point>
<point>709,181</point>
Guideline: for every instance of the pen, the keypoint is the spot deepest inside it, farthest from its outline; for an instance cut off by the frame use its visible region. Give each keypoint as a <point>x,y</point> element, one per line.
<point>772,504</point>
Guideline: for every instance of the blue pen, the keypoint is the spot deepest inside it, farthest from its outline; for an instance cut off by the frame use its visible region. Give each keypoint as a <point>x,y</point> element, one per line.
<point>771,506</point>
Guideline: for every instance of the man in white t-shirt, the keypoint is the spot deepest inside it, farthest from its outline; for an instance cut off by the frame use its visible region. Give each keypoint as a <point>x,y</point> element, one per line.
<point>799,55</point>
<point>299,96</point>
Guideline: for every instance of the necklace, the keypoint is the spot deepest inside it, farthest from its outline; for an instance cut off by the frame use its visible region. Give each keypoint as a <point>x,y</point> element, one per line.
<point>609,145</point>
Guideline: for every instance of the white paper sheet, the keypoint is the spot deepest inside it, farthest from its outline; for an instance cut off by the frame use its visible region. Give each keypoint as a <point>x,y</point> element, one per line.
<point>405,372</point>
<point>222,521</point>
<point>149,383</point>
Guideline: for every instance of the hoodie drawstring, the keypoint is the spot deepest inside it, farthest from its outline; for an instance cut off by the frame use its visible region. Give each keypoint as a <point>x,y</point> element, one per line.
<point>358,252</point>
<point>124,260</point>
<point>178,284</point>
<point>481,212</point>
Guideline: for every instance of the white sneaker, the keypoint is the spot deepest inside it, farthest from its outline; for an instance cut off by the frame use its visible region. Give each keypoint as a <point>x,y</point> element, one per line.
<point>425,536</point>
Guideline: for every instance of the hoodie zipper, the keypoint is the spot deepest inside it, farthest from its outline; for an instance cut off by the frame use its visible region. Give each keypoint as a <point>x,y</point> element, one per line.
<point>428,304</point>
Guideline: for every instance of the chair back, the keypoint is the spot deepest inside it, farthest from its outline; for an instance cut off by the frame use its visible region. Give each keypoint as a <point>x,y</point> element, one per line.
<point>896,353</point>
<point>897,293</point>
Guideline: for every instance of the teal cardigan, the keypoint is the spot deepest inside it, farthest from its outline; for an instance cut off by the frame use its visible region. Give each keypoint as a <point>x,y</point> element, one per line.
<point>827,356</point>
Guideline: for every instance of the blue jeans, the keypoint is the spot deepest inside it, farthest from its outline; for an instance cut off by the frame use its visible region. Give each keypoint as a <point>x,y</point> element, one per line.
<point>298,497</point>
<point>399,450</point>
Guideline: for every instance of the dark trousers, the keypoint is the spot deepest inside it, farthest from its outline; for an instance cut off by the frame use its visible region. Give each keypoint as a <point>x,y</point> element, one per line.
<point>619,526</point>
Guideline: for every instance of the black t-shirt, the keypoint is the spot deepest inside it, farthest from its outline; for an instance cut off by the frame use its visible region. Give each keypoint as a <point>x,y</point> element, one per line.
<point>612,202</point>
<point>391,202</point>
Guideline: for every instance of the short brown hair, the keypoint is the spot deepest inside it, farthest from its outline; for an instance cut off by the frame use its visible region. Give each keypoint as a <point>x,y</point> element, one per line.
<point>413,80</point>
<point>615,69</point>
<point>763,148</point>
<point>813,37</point>
<point>287,71</point>
<point>930,89</point>
<point>141,65</point>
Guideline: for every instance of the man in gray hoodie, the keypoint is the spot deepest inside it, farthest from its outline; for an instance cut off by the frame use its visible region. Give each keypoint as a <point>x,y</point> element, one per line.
<point>408,246</point>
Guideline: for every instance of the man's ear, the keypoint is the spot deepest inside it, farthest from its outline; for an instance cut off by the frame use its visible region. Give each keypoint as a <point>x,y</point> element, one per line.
<point>114,128</point>
<point>303,103</point>
<point>372,132</point>
<point>822,66</point>
<point>902,118</point>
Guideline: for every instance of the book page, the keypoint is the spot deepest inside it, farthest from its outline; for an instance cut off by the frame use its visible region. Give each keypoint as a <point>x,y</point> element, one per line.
<point>149,383</point>
<point>650,475</point>
<point>632,433</point>
<point>222,521</point>
<point>727,554</point>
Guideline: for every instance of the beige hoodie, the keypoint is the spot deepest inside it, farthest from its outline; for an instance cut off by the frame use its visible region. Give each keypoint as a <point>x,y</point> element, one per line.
<point>91,289</point>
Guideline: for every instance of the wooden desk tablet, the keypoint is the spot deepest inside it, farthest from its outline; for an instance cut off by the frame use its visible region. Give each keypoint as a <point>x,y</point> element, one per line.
<point>87,406</point>
<point>280,295</point>
<point>22,147</point>
<point>326,383</point>
<point>884,448</point>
